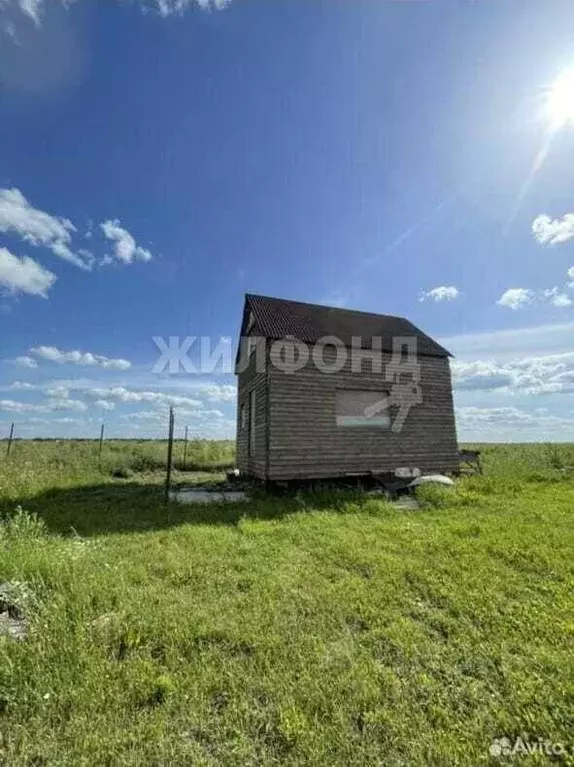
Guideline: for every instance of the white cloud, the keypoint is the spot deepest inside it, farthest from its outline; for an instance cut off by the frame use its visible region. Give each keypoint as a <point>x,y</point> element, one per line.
<point>125,248</point>
<point>184,396</point>
<point>557,298</point>
<point>550,374</point>
<point>30,8</point>
<point>570,275</point>
<point>514,298</point>
<point>207,424</point>
<point>67,404</point>
<point>128,396</point>
<point>217,392</point>
<point>21,385</point>
<point>24,275</point>
<point>502,423</point>
<point>50,421</point>
<point>60,392</point>
<point>440,293</point>
<point>140,410</point>
<point>199,413</point>
<point>38,228</point>
<point>167,7</point>
<point>33,9</point>
<point>17,216</point>
<point>144,415</point>
<point>561,300</point>
<point>26,362</point>
<point>11,406</point>
<point>105,404</point>
<point>548,231</point>
<point>495,415</point>
<point>480,375</point>
<point>214,416</point>
<point>53,354</point>
<point>51,406</point>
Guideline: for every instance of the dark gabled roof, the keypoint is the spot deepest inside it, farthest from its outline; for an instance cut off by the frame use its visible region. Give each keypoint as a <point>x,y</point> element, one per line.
<point>277,318</point>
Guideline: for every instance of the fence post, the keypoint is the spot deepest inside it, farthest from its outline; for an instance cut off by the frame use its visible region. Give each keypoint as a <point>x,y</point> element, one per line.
<point>185,449</point>
<point>10,440</point>
<point>101,445</point>
<point>169,455</point>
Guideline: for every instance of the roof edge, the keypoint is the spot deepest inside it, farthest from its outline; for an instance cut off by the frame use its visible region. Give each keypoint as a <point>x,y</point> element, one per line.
<point>249,296</point>
<point>248,302</point>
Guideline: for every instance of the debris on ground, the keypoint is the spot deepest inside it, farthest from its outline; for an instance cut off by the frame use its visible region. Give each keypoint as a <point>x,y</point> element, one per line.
<point>437,479</point>
<point>12,621</point>
<point>233,475</point>
<point>202,495</point>
<point>470,462</point>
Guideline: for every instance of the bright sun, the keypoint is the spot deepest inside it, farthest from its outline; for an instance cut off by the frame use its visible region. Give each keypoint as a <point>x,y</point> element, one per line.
<point>560,104</point>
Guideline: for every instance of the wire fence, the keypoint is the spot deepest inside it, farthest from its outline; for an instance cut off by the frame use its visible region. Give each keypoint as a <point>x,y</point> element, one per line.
<point>121,457</point>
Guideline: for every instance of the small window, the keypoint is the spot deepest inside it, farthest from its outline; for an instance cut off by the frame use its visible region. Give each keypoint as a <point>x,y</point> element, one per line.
<point>362,408</point>
<point>243,416</point>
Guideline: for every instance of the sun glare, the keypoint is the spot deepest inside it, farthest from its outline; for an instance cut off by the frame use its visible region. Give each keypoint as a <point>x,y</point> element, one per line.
<point>560,104</point>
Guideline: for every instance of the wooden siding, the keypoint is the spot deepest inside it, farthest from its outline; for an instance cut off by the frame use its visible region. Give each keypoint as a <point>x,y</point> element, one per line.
<point>249,380</point>
<point>305,442</point>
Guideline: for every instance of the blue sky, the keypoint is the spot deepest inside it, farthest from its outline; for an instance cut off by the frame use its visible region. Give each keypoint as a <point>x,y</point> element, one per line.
<point>159,159</point>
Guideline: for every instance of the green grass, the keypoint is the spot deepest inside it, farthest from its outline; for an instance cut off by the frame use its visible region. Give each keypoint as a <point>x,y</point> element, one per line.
<point>318,629</point>
<point>34,464</point>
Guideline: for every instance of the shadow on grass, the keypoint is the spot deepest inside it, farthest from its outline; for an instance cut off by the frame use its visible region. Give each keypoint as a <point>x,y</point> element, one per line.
<point>131,507</point>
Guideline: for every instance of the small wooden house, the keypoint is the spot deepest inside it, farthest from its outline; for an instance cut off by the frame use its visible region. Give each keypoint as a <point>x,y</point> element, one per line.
<point>326,392</point>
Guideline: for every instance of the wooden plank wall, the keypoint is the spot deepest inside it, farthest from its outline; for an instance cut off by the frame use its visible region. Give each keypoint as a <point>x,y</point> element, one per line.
<point>247,381</point>
<point>305,442</point>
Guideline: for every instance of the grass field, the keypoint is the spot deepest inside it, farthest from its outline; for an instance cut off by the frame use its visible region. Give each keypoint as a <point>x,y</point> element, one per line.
<point>329,629</point>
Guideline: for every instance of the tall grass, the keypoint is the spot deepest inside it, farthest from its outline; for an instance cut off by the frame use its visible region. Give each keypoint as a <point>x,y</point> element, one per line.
<point>311,629</point>
<point>525,460</point>
<point>67,462</point>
